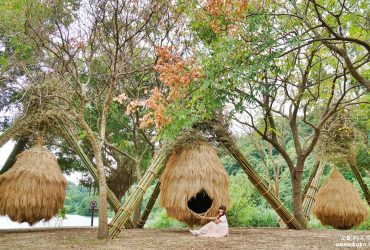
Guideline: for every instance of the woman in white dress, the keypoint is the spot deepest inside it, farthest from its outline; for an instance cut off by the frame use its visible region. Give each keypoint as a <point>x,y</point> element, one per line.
<point>216,228</point>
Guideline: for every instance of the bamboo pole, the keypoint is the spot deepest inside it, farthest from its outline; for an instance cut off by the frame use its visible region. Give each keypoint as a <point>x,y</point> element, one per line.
<point>309,199</point>
<point>18,148</point>
<point>223,136</point>
<point>312,176</point>
<point>352,162</point>
<point>124,213</point>
<point>149,205</point>
<point>72,141</point>
<point>11,131</point>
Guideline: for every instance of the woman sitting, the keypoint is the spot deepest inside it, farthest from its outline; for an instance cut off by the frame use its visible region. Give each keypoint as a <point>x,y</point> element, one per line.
<point>216,228</point>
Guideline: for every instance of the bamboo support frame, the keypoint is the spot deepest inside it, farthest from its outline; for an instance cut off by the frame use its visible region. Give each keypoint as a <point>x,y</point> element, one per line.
<point>309,199</point>
<point>223,136</point>
<point>11,131</point>
<point>312,176</point>
<point>72,141</point>
<point>18,148</point>
<point>352,162</point>
<point>149,206</point>
<point>124,213</point>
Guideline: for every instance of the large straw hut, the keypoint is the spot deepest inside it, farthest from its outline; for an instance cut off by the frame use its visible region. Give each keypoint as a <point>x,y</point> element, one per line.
<point>34,188</point>
<point>338,203</point>
<point>194,183</point>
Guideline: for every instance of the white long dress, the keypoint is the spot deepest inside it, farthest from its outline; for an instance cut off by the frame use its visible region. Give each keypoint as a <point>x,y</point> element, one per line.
<point>214,230</point>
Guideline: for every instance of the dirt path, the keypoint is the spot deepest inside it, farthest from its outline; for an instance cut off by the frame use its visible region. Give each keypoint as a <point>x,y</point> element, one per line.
<point>244,238</point>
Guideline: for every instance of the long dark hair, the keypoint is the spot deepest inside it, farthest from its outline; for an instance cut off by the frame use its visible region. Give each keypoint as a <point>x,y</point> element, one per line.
<point>223,208</point>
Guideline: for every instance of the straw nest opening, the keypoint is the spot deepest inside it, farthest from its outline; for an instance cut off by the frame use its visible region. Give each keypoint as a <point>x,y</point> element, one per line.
<point>194,181</point>
<point>338,203</point>
<point>200,203</point>
<point>34,188</point>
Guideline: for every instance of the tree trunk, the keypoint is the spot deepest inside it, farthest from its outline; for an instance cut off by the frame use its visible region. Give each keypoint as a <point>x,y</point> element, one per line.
<point>97,145</point>
<point>103,206</point>
<point>137,213</point>
<point>72,141</point>
<point>296,177</point>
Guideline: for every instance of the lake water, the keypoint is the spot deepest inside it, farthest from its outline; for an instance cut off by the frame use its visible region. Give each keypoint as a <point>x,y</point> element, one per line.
<point>69,221</point>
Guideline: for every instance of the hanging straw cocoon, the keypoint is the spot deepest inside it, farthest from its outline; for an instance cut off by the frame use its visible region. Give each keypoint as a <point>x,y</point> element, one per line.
<point>194,179</point>
<point>34,188</point>
<point>338,203</point>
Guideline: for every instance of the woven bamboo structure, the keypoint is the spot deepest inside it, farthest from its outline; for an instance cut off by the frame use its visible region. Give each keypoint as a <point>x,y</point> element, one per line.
<point>9,133</point>
<point>338,203</point>
<point>149,205</point>
<point>194,181</point>
<point>34,188</point>
<point>126,210</point>
<point>312,176</point>
<point>225,139</point>
<point>353,164</point>
<point>313,187</point>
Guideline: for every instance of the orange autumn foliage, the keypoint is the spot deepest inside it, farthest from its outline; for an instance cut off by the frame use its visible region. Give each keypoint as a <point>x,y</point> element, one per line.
<point>231,11</point>
<point>176,74</point>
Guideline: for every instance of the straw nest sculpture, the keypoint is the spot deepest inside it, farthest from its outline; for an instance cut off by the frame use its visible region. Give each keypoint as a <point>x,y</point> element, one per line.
<point>193,183</point>
<point>34,188</point>
<point>338,203</point>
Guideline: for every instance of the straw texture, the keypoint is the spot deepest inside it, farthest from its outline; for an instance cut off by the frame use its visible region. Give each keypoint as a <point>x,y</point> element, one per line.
<point>34,188</point>
<point>338,203</point>
<point>189,170</point>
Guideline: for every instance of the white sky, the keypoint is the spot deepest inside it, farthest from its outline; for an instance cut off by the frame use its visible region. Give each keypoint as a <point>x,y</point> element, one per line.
<point>5,151</point>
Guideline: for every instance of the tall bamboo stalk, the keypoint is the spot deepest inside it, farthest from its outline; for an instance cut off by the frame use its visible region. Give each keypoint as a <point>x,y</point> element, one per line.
<point>18,148</point>
<point>10,132</point>
<point>72,141</point>
<point>309,199</point>
<point>149,206</point>
<point>352,162</point>
<point>124,213</point>
<point>312,176</point>
<point>224,137</point>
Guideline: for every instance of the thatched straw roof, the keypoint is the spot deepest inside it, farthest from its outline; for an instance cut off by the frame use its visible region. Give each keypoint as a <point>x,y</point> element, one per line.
<point>338,203</point>
<point>190,171</point>
<point>34,188</point>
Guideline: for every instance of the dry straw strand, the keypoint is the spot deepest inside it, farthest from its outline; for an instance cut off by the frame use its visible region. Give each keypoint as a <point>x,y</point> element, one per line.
<point>338,203</point>
<point>34,188</point>
<point>189,170</point>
